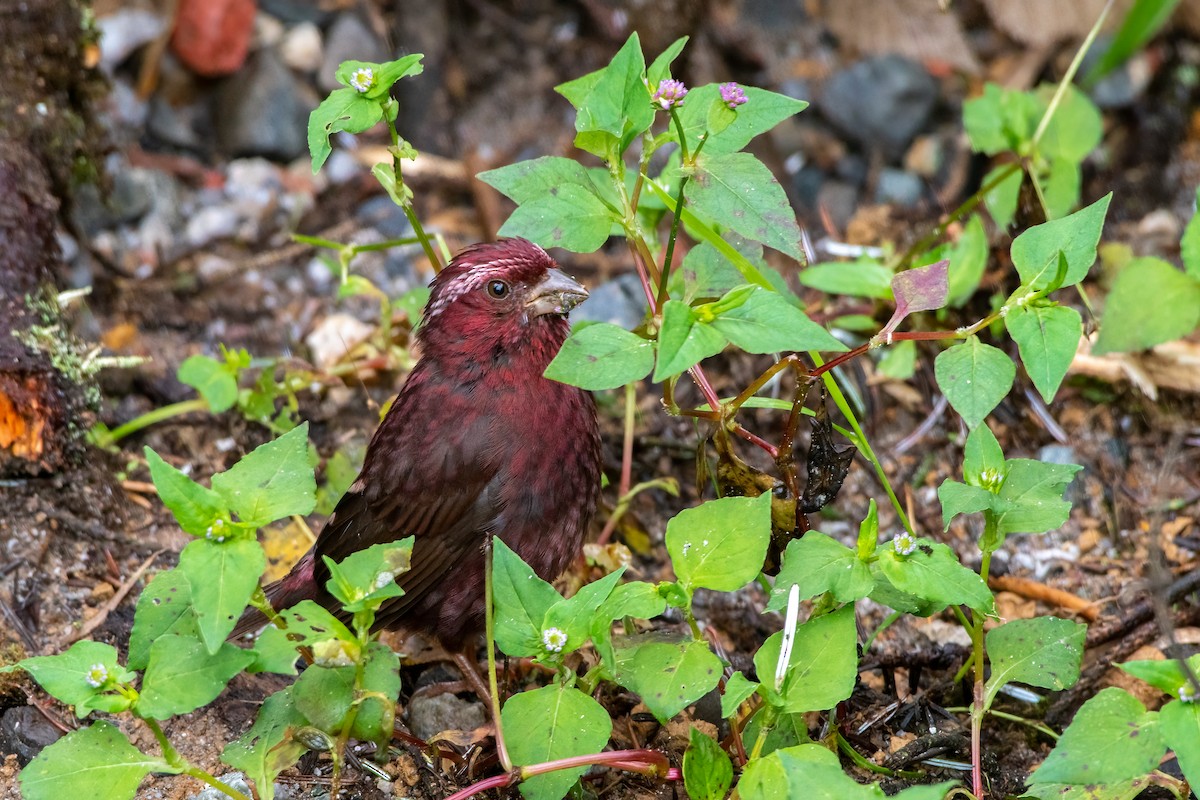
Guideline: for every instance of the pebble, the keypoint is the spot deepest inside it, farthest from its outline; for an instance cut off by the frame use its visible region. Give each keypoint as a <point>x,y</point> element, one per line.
<point>334,337</point>
<point>234,780</point>
<point>25,732</point>
<point>839,199</point>
<point>898,187</point>
<point>429,716</point>
<point>349,38</point>
<point>268,31</point>
<point>212,37</point>
<point>302,48</point>
<point>124,31</point>
<point>881,102</point>
<point>261,111</point>
<point>211,223</point>
<point>177,126</point>
<point>620,301</point>
<point>342,167</point>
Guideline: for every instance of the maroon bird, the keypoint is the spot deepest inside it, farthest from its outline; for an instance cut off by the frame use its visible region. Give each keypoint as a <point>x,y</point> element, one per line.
<point>477,443</point>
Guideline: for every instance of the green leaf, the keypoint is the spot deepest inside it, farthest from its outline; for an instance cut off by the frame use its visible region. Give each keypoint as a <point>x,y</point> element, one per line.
<point>968,260</point>
<point>221,578</point>
<point>1112,738</point>
<point>823,667</point>
<point>865,277</point>
<point>1076,128</point>
<point>737,690</point>
<point>684,341</point>
<point>82,676</point>
<point>1189,245</point>
<point>958,498</point>
<point>194,506</point>
<point>1031,499</point>
<point>1061,185</point>
<point>324,696</point>
<point>765,322</point>
<point>211,379</point>
<point>569,217</point>
<point>982,454</point>
<point>1151,302</point>
<point>268,748</point>
<point>536,178</point>
<point>661,68</point>
<point>1181,731</point>
<point>933,572</point>
<point>376,717</point>
<point>1044,652</point>
<point>762,111</point>
<point>522,600</point>
<point>97,761</point>
<point>668,676</point>
<point>975,377</point>
<point>738,190</point>
<point>1002,199</point>
<point>899,361</point>
<point>342,110</point>
<point>1164,674</point>
<point>1120,790</point>
<point>1047,337</point>
<point>182,675</point>
<point>385,74</point>
<point>1142,21</point>
<point>1035,252</point>
<point>364,579</point>
<point>272,482</point>
<point>308,624</point>
<point>720,544</point>
<point>767,778</point>
<point>637,599</point>
<point>984,118</point>
<point>613,100</point>
<point>602,356</point>
<point>555,722</point>
<point>817,564</point>
<point>707,771</point>
<point>163,608</point>
<point>573,616</point>
<point>705,273</point>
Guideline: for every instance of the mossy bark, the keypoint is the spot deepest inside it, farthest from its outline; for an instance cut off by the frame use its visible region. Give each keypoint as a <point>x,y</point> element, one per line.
<point>48,141</point>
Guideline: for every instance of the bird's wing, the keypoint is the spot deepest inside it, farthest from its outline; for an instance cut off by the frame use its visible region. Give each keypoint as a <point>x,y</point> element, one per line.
<point>438,486</point>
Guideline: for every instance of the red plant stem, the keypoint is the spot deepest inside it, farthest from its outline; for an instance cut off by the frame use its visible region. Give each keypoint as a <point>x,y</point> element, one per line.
<point>646,762</point>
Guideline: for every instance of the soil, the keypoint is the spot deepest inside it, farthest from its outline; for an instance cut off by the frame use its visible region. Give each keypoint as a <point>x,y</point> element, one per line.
<point>71,541</point>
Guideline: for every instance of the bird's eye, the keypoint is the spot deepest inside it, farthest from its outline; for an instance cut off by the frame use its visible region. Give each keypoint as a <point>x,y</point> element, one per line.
<point>497,289</point>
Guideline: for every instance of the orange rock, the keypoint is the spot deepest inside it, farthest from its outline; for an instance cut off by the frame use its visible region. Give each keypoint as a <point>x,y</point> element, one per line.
<point>212,37</point>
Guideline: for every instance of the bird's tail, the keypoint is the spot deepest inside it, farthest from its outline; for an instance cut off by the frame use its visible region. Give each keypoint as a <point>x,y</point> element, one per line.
<point>297,585</point>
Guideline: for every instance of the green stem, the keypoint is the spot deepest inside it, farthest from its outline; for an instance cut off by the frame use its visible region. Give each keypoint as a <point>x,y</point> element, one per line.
<point>1070,75</point>
<point>670,254</point>
<point>888,620</point>
<point>864,446</point>
<point>490,633</point>
<point>418,229</point>
<point>157,415</point>
<point>862,761</point>
<point>211,780</point>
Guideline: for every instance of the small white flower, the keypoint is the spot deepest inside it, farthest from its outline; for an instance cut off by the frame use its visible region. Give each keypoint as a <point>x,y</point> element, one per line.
<point>904,543</point>
<point>991,479</point>
<point>1187,694</point>
<point>362,79</point>
<point>555,639</point>
<point>97,676</point>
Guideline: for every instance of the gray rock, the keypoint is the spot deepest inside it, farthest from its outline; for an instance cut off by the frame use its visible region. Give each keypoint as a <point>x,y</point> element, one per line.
<point>882,102</point>
<point>177,125</point>
<point>302,47</point>
<point>260,111</point>
<point>380,213</point>
<point>290,11</point>
<point>429,716</point>
<point>25,732</point>
<point>349,39</point>
<point>132,196</point>
<point>211,223</point>
<point>621,301</point>
<point>234,780</point>
<point>124,31</point>
<point>840,200</point>
<point>898,187</point>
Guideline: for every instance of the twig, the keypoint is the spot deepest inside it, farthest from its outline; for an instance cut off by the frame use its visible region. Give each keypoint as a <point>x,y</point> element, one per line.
<point>113,602</point>
<point>1034,590</point>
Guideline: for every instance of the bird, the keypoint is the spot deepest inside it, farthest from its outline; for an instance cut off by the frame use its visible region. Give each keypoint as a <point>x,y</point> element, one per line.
<point>477,443</point>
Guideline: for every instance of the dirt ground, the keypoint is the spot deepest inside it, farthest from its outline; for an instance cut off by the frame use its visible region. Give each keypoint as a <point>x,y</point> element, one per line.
<point>69,543</point>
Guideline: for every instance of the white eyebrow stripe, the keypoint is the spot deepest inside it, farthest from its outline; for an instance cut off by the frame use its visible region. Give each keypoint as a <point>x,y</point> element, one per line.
<point>468,282</point>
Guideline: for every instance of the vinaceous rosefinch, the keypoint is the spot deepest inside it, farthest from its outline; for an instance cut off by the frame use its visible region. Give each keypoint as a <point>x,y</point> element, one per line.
<point>477,443</point>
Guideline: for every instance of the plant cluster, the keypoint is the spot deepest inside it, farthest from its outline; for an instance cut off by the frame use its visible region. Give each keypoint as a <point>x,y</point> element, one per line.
<point>669,158</point>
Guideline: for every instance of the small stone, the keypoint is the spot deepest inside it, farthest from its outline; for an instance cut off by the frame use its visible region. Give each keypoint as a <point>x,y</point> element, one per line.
<point>268,31</point>
<point>429,716</point>
<point>925,157</point>
<point>334,337</point>
<point>302,47</point>
<point>898,187</point>
<point>383,215</point>
<point>177,125</point>
<point>839,200</point>
<point>124,31</point>
<point>213,269</point>
<point>212,37</point>
<point>620,301</point>
<point>211,223</point>
<point>349,39</point>
<point>342,167</point>
<point>234,780</point>
<point>881,102</point>
<point>25,732</point>
<point>261,111</point>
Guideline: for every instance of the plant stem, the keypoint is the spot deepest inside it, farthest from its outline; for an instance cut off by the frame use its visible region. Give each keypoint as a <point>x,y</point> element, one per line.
<point>212,781</point>
<point>862,761</point>
<point>1070,74</point>
<point>409,212</point>
<point>490,634</point>
<point>888,620</point>
<point>670,254</point>
<point>626,464</point>
<point>157,415</point>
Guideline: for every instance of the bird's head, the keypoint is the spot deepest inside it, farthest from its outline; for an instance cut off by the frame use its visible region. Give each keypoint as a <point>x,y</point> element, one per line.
<point>497,298</point>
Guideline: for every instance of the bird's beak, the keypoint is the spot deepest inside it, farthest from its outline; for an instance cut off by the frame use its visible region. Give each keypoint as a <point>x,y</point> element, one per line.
<point>555,294</point>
